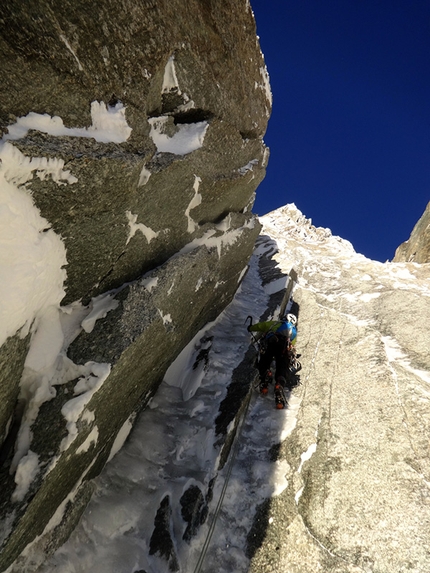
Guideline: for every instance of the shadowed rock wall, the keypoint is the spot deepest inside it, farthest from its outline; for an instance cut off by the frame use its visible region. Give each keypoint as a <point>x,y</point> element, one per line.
<point>139,339</point>
<point>153,114</point>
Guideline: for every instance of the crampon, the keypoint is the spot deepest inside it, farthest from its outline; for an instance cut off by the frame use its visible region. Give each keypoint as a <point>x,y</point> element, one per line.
<point>280,400</point>
<point>264,384</point>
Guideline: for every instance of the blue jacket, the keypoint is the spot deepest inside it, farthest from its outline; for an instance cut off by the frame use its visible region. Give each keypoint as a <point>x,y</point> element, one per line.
<point>275,326</point>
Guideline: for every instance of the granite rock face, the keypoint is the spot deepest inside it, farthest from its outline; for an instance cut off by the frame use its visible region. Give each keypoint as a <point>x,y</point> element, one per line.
<point>73,53</point>
<point>180,73</point>
<point>140,128</point>
<point>357,495</point>
<point>417,248</point>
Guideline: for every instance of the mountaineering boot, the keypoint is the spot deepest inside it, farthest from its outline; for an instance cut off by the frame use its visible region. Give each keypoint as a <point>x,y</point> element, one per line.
<point>264,387</point>
<point>264,384</point>
<point>279,397</point>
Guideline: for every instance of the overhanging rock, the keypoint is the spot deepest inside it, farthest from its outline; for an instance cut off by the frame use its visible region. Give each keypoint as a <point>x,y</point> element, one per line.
<point>135,137</point>
<point>157,116</point>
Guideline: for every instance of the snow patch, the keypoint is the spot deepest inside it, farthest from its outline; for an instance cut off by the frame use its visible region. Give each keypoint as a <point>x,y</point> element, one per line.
<point>122,436</point>
<point>100,306</point>
<point>109,125</point>
<point>298,495</point>
<point>195,202</point>
<point>91,439</point>
<point>32,255</point>
<point>392,349</point>
<point>144,176</point>
<point>170,81</point>
<point>225,224</point>
<point>69,47</point>
<point>264,85</point>
<point>356,321</point>
<point>188,137</point>
<point>88,417</point>
<point>367,297</point>
<point>248,167</point>
<point>18,169</point>
<point>169,292</point>
<point>352,297</point>
<point>27,470</point>
<point>150,283</point>
<point>395,354</point>
<point>242,273</point>
<point>147,232</point>
<point>85,388</point>
<point>277,285</point>
<point>399,271</point>
<point>290,414</point>
<point>46,343</point>
<point>183,373</point>
<point>307,456</point>
<point>166,318</point>
<point>279,480</point>
<point>211,240</point>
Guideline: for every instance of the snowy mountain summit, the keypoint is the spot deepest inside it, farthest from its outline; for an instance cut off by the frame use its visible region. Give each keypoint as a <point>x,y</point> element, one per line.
<point>296,225</point>
<point>290,221</point>
<point>338,482</point>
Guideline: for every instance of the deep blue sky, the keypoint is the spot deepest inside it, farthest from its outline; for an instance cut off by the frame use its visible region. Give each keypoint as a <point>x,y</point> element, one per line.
<point>349,133</point>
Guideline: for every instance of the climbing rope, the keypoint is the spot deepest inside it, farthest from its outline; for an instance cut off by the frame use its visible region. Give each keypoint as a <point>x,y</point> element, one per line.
<point>257,342</point>
<point>224,488</point>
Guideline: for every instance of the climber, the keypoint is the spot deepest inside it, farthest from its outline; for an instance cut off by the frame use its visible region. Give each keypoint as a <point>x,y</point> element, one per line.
<point>276,343</point>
